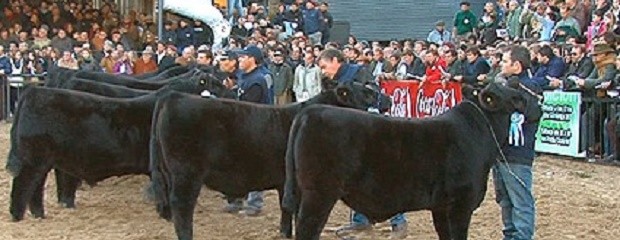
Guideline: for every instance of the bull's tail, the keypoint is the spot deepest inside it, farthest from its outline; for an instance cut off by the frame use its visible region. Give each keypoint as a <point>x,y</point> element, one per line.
<point>158,191</point>
<point>291,197</point>
<point>13,163</point>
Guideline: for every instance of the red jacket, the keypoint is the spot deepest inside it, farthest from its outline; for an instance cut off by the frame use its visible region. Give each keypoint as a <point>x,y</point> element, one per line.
<point>434,73</point>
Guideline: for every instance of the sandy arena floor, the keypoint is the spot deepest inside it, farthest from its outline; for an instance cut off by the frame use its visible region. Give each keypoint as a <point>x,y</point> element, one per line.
<point>574,200</point>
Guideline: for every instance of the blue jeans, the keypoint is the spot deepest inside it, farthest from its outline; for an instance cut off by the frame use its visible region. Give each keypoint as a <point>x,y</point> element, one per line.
<point>232,4</point>
<point>517,201</point>
<point>254,200</point>
<point>358,218</point>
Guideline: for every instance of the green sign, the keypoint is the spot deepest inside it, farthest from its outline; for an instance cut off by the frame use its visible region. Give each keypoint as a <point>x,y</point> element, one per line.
<point>558,130</point>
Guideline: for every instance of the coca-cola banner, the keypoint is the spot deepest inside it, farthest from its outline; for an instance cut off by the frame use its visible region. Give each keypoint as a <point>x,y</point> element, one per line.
<point>414,100</point>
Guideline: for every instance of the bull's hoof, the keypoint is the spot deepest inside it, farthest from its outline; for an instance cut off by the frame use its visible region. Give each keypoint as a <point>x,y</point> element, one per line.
<point>16,218</point>
<point>38,215</point>
<point>67,205</point>
<point>286,235</point>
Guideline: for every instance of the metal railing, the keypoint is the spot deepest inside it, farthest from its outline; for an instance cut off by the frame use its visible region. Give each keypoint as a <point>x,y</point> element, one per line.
<point>595,135</point>
<point>6,85</point>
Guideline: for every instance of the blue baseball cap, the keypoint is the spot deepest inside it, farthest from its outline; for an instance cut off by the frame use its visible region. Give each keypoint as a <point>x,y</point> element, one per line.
<point>252,51</point>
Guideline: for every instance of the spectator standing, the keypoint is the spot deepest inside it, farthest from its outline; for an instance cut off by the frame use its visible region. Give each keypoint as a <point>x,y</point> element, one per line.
<point>307,83</point>
<point>326,24</point>
<point>439,35</point>
<point>465,22</point>
<point>312,21</point>
<point>282,78</point>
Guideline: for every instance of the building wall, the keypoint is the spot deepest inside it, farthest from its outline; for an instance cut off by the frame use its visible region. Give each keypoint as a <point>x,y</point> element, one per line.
<point>397,19</point>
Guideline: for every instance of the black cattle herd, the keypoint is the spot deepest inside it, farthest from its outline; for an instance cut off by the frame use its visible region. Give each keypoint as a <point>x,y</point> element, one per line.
<point>184,129</point>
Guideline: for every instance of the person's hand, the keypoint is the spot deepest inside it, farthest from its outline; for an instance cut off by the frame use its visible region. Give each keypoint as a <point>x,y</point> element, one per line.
<point>482,77</point>
<point>555,82</point>
<point>606,84</point>
<point>580,82</point>
<point>458,78</point>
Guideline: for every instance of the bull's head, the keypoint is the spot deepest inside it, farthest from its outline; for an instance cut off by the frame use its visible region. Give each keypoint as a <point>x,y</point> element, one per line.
<point>360,96</point>
<point>510,98</point>
<point>202,82</point>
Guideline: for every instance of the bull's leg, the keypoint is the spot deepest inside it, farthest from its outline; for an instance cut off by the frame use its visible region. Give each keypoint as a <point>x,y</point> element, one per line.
<point>184,193</point>
<point>36,201</point>
<point>286,218</point>
<point>313,213</point>
<point>441,223</point>
<point>459,222</point>
<point>23,188</point>
<point>66,187</point>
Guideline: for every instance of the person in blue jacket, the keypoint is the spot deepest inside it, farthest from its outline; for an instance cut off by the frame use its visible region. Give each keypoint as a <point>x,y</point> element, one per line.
<point>513,176</point>
<point>185,35</point>
<point>252,87</point>
<point>337,71</point>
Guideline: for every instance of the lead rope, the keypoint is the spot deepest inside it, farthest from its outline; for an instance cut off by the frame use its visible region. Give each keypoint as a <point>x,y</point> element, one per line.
<point>499,148</point>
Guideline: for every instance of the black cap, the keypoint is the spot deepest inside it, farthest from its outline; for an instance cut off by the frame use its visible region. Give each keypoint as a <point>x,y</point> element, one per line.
<point>228,55</point>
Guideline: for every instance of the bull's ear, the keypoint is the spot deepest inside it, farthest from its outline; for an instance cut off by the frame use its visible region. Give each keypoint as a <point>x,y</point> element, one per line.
<point>519,102</point>
<point>470,92</point>
<point>343,93</point>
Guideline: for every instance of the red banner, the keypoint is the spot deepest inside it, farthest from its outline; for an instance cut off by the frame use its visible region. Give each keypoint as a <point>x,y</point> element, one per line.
<point>414,100</point>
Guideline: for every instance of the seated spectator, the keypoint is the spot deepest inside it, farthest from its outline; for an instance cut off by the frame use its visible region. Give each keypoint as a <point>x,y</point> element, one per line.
<point>550,66</point>
<point>186,58</point>
<point>87,62</point>
<point>145,64</point>
<point>123,65</point>
<point>67,61</point>
<point>475,69</point>
<point>580,66</point>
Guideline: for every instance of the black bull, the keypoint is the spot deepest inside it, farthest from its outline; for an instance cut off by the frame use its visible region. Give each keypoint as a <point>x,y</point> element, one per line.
<point>67,184</point>
<point>382,166</point>
<point>87,136</point>
<point>234,148</point>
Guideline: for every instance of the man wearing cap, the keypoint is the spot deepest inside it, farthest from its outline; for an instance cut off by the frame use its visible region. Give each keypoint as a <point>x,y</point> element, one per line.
<point>252,87</point>
<point>146,63</point>
<point>282,78</point>
<point>439,35</point>
<point>228,66</point>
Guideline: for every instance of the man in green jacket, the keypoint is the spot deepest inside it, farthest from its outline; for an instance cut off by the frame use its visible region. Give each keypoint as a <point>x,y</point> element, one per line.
<point>464,22</point>
<point>513,23</point>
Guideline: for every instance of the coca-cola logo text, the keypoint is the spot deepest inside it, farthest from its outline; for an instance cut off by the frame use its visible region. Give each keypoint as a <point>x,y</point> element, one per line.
<point>401,103</point>
<point>435,104</point>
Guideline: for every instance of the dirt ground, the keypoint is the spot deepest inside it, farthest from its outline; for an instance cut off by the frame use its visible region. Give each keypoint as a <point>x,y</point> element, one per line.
<point>574,201</point>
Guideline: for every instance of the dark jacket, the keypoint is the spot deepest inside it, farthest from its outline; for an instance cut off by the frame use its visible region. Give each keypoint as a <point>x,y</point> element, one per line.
<point>294,17</point>
<point>385,68</point>
<point>185,37</point>
<point>169,36</point>
<point>282,78</point>
<point>5,64</point>
<point>554,68</point>
<point>253,87</point>
<point>347,73</point>
<point>471,71</point>
<point>165,63</point>
<point>327,22</point>
<point>520,148</point>
<point>456,68</point>
<point>312,21</point>
<point>203,35</point>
